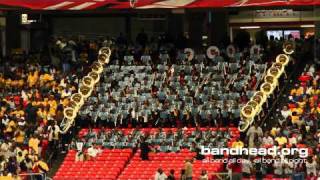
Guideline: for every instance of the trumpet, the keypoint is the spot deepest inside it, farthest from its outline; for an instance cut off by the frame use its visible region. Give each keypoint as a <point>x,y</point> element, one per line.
<point>283,59</point>
<point>88,81</point>
<point>97,67</point>
<point>288,47</point>
<point>95,76</point>
<point>85,91</point>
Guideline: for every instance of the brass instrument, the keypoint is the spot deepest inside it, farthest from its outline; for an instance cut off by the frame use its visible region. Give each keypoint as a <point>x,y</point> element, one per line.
<point>88,81</point>
<point>288,47</point>
<point>85,91</point>
<point>69,113</point>
<point>65,125</point>
<point>271,79</point>
<point>274,71</point>
<point>283,59</point>
<point>106,51</point>
<point>243,126</point>
<point>279,66</point>
<point>267,88</point>
<point>78,99</point>
<point>97,67</point>
<point>259,97</point>
<point>103,59</point>
<point>95,76</point>
<point>247,113</point>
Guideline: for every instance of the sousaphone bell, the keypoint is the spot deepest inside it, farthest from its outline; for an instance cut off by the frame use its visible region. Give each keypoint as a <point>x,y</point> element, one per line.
<point>267,88</point>
<point>95,76</point>
<point>283,59</point>
<point>88,81</point>
<point>78,99</point>
<point>288,47</point>
<point>85,91</point>
<point>97,67</point>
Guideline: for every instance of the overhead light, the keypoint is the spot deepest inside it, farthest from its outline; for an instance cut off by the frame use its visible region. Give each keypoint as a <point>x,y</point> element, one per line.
<point>250,27</point>
<point>308,26</point>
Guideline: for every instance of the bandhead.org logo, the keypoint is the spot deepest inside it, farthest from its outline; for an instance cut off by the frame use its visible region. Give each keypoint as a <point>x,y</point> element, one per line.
<point>274,151</point>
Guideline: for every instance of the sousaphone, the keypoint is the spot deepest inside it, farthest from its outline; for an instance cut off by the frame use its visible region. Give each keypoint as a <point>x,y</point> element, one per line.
<point>267,88</point>
<point>271,79</point>
<point>256,107</point>
<point>106,51</point>
<point>85,91</point>
<point>279,66</point>
<point>243,126</point>
<point>283,59</point>
<point>255,50</point>
<point>289,47</point>
<point>231,51</point>
<point>189,54</point>
<point>103,59</point>
<point>95,76</point>
<point>247,113</point>
<point>213,52</point>
<point>88,81</point>
<point>274,71</point>
<point>65,125</point>
<point>259,97</point>
<point>78,99</point>
<point>69,113</point>
<point>97,67</point>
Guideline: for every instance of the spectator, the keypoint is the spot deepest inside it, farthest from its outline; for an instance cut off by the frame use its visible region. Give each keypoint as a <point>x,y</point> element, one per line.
<point>188,169</point>
<point>160,175</point>
<point>171,175</point>
<point>93,151</point>
<point>183,174</point>
<point>204,175</point>
<point>144,146</point>
<point>247,167</point>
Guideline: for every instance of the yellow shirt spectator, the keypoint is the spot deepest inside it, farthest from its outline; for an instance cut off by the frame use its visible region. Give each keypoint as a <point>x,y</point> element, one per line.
<point>12,125</point>
<point>6,178</point>
<point>298,110</point>
<point>237,144</point>
<point>281,140</point>
<point>34,144</point>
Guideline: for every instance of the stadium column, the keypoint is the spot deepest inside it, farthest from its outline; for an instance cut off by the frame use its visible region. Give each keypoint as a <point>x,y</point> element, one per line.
<point>175,25</point>
<point>196,22</point>
<point>13,36</point>
<point>218,27</point>
<point>317,21</point>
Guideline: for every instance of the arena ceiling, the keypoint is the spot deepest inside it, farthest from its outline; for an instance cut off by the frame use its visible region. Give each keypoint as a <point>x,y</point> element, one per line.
<point>149,4</point>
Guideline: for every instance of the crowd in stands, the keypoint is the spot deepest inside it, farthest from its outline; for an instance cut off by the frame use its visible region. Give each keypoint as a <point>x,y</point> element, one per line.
<point>33,95</point>
<point>297,126</point>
